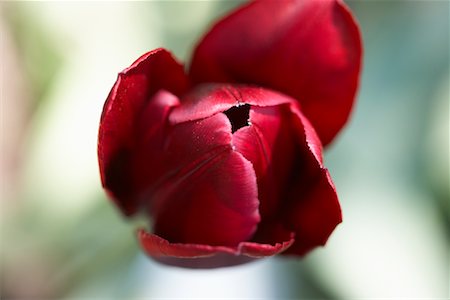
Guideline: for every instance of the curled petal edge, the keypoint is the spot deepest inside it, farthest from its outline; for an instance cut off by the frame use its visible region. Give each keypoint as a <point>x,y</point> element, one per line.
<point>316,213</point>
<point>156,246</point>
<point>209,99</point>
<point>311,136</point>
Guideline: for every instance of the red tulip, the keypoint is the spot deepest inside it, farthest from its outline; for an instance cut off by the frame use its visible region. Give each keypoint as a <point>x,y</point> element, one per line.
<point>226,160</point>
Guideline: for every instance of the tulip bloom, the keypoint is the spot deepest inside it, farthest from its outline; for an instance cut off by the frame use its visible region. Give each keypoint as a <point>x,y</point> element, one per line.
<point>226,158</point>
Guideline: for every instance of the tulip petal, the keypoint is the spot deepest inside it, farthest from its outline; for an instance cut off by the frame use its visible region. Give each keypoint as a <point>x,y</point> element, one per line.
<point>315,214</point>
<point>132,92</point>
<point>271,238</point>
<point>209,99</point>
<point>212,198</point>
<point>267,143</point>
<point>312,208</point>
<point>309,50</point>
<point>206,256</point>
<point>155,245</point>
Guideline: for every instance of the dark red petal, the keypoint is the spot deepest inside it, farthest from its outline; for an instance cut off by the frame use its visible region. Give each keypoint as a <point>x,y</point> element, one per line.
<point>312,208</point>
<point>306,132</point>
<point>216,204</point>
<point>162,70</point>
<point>315,215</point>
<point>270,238</point>
<point>267,143</point>
<point>212,199</point>
<point>135,86</point>
<point>205,256</point>
<point>310,50</point>
<point>145,164</point>
<point>207,100</point>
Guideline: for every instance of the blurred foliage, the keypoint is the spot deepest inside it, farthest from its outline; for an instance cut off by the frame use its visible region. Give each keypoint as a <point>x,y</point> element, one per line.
<point>40,55</point>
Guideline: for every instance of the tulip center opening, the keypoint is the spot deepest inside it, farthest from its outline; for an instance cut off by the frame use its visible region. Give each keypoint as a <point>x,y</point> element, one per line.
<point>238,116</point>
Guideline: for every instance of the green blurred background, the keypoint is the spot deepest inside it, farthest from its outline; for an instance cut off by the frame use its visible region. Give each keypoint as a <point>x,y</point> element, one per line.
<point>61,238</point>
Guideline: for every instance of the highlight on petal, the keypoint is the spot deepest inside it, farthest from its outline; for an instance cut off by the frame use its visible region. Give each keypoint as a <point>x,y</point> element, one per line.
<point>209,99</point>
<point>310,50</point>
<point>133,91</point>
<point>206,256</point>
